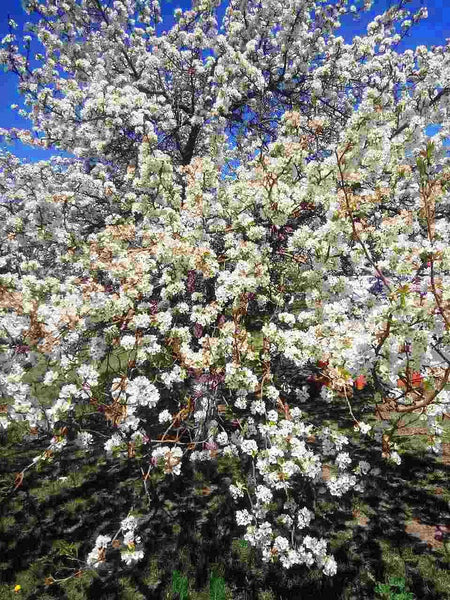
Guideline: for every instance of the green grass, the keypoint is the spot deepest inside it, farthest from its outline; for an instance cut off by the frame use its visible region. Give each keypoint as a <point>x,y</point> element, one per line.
<point>397,561</point>
<point>216,590</point>
<point>393,590</point>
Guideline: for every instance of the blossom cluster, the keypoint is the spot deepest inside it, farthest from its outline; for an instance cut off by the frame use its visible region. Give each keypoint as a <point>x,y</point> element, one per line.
<point>129,554</point>
<point>176,254</point>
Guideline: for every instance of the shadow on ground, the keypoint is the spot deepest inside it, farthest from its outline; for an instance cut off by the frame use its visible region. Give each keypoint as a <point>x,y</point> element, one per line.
<point>49,525</point>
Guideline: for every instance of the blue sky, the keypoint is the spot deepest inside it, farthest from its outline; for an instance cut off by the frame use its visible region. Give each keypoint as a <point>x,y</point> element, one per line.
<point>432,31</point>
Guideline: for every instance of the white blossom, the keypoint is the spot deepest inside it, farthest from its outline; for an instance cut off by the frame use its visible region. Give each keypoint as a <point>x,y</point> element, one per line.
<point>243,517</point>
<point>304,517</point>
<point>85,438</point>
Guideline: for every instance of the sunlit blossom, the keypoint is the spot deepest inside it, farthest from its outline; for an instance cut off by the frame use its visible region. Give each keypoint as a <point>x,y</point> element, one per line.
<point>193,233</point>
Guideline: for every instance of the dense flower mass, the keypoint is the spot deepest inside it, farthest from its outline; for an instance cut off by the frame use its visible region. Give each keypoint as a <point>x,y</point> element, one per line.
<point>220,177</point>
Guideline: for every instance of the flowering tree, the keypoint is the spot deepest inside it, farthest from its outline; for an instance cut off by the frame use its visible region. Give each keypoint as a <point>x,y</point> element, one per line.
<point>218,178</point>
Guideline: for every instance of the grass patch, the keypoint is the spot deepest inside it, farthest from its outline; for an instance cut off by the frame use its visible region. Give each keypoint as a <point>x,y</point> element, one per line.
<point>215,590</point>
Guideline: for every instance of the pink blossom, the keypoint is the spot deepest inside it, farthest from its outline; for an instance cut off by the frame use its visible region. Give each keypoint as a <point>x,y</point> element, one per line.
<point>191,282</point>
<point>198,330</point>
<point>221,320</point>
<point>210,446</point>
<point>22,349</point>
